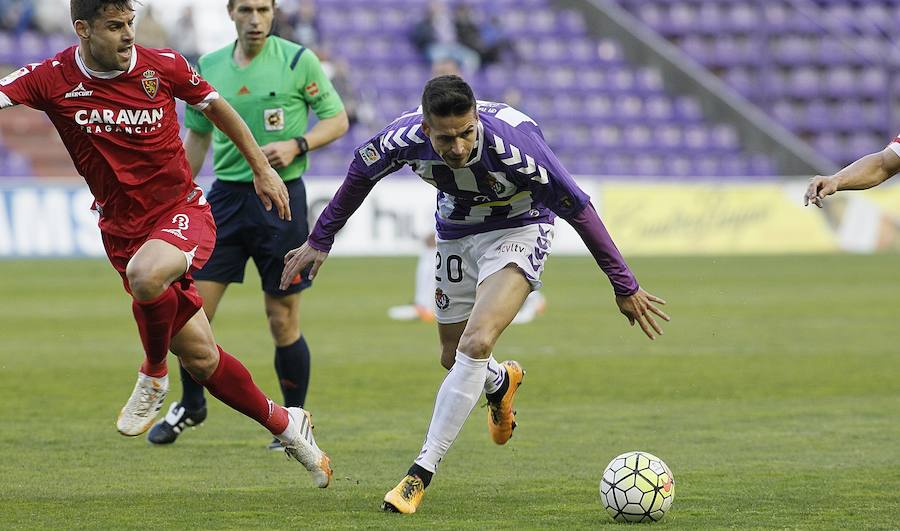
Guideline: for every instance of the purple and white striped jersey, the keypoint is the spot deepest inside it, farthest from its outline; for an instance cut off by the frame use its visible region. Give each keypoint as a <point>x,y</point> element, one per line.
<point>512,179</point>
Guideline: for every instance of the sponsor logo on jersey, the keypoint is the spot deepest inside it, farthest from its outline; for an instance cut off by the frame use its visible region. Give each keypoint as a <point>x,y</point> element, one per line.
<point>181,222</point>
<point>511,247</point>
<point>150,83</point>
<point>79,92</point>
<point>14,76</point>
<point>274,119</point>
<point>312,89</point>
<point>369,154</point>
<point>441,300</point>
<point>132,121</point>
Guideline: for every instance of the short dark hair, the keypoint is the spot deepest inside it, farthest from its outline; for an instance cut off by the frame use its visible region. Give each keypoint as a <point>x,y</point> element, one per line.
<point>90,9</point>
<point>231,4</point>
<point>447,96</point>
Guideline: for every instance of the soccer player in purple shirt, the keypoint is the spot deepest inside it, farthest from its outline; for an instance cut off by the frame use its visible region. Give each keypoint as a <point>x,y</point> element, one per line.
<point>500,188</point>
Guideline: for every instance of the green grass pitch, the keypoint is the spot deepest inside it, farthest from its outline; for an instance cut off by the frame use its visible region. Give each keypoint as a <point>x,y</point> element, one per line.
<point>773,396</point>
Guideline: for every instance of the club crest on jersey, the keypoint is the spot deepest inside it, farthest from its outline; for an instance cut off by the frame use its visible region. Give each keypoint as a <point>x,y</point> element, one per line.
<point>369,154</point>
<point>274,119</point>
<point>497,187</point>
<point>150,83</point>
<point>441,300</point>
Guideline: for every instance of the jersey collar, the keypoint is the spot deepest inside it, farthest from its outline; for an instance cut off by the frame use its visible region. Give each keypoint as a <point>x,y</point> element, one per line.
<point>103,75</point>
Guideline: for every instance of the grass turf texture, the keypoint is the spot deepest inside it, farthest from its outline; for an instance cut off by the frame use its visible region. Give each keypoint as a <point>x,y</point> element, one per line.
<point>773,396</point>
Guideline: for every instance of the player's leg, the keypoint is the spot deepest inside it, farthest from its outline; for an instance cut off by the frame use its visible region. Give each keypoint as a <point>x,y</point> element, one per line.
<point>292,355</point>
<point>149,276</point>
<point>449,336</point>
<point>227,379</point>
<point>292,358</point>
<point>190,410</point>
<point>506,266</point>
<point>150,273</point>
<point>192,397</point>
<point>497,300</point>
<point>225,265</point>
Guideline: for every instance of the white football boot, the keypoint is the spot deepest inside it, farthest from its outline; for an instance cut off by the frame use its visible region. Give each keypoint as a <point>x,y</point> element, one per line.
<point>303,448</point>
<point>146,400</point>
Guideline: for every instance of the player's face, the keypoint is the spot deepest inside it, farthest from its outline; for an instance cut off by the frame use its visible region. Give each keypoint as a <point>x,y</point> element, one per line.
<point>110,39</point>
<point>453,137</point>
<point>253,21</point>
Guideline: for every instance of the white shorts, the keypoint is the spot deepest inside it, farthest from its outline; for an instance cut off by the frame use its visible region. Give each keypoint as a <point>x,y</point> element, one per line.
<point>462,264</point>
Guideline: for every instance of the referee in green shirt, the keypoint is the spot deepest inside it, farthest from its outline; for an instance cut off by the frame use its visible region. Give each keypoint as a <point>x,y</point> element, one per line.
<point>272,83</point>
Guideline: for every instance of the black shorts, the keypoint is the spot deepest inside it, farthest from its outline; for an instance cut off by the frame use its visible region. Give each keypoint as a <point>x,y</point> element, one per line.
<point>245,230</point>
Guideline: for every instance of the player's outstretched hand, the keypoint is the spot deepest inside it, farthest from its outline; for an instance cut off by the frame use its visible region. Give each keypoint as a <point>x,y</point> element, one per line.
<point>819,188</point>
<point>280,154</point>
<point>272,192</point>
<point>296,261</point>
<point>639,307</point>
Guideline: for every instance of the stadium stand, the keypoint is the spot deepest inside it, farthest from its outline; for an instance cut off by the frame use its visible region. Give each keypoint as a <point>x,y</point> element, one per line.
<point>825,69</point>
<point>604,114</point>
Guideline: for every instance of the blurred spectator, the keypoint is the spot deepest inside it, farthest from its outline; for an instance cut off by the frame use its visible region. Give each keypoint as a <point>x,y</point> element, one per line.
<point>494,41</point>
<point>185,39</point>
<point>436,37</point>
<point>298,20</point>
<point>150,33</point>
<point>486,38</point>
<point>445,67</point>
<point>16,15</point>
<point>51,17</point>
<point>359,107</point>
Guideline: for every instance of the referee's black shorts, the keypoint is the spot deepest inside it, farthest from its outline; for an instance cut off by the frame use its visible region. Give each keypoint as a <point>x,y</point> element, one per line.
<point>245,230</point>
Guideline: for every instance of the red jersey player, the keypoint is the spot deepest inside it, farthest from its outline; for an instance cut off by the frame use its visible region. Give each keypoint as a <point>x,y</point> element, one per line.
<point>113,104</point>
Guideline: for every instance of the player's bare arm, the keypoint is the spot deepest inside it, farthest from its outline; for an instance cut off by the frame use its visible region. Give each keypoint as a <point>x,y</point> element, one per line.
<point>269,186</point>
<point>196,145</point>
<point>297,259</point>
<point>326,131</point>
<point>867,172</point>
<point>639,307</point>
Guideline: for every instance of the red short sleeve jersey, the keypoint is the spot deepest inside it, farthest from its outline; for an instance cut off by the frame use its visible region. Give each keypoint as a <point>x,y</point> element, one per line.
<point>121,132</point>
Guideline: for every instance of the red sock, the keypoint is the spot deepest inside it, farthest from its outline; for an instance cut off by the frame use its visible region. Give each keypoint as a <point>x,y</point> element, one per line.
<point>231,383</point>
<point>154,320</point>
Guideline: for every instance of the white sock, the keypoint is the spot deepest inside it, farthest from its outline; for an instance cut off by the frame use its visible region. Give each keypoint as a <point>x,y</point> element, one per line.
<point>291,432</point>
<point>494,376</point>
<point>425,282</point>
<point>455,399</point>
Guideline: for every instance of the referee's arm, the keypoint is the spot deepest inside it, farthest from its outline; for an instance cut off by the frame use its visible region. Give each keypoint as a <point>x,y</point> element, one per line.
<point>327,130</point>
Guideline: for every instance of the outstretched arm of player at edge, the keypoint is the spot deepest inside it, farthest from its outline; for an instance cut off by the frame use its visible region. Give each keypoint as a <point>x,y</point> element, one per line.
<point>635,304</point>
<point>269,186</point>
<point>867,172</point>
<point>196,145</point>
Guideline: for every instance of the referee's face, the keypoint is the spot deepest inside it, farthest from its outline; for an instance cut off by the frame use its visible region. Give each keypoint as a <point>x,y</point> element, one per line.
<point>253,21</point>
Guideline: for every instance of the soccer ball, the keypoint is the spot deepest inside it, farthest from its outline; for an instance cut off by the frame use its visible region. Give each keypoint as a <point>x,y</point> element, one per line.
<point>637,487</point>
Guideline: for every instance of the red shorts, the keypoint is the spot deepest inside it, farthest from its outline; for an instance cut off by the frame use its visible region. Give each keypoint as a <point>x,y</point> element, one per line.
<point>190,228</point>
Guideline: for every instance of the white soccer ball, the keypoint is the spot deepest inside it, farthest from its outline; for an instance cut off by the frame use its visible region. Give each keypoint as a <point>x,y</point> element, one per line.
<point>637,487</point>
